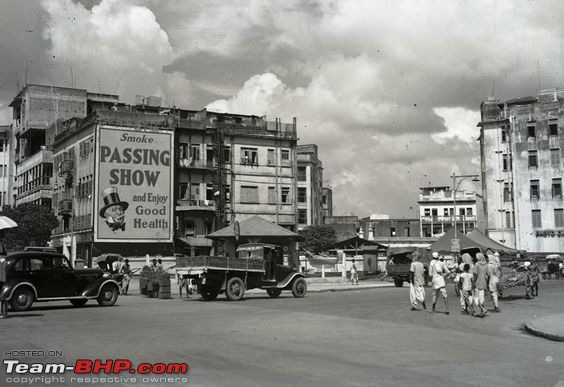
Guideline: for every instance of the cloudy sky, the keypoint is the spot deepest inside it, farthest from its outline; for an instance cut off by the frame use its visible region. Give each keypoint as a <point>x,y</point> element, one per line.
<point>390,91</point>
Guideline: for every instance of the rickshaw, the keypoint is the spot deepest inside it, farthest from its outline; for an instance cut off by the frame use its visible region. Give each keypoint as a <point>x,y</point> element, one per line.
<point>553,267</point>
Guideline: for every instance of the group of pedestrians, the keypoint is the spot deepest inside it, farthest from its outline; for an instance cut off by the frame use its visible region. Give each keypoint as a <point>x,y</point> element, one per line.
<point>474,279</point>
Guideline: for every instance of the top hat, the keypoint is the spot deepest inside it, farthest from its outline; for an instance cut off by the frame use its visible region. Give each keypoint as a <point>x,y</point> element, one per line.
<point>111,198</point>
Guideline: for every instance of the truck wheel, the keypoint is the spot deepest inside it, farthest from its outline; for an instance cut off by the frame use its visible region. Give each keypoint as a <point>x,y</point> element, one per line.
<point>22,299</point>
<point>108,295</point>
<point>398,282</point>
<point>274,293</point>
<point>299,288</point>
<point>235,289</point>
<point>209,293</point>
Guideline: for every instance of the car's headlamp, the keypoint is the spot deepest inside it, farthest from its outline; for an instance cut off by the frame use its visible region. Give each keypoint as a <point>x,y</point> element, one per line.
<point>106,275</point>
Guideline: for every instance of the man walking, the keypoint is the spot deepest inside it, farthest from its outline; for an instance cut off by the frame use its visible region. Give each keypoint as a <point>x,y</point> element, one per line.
<point>417,279</point>
<point>437,271</point>
<point>494,272</point>
<point>480,273</point>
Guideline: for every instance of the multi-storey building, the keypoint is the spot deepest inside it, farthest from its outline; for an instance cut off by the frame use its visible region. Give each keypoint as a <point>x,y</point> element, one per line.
<point>6,165</point>
<point>232,167</point>
<point>521,143</point>
<point>112,189</point>
<point>439,209</point>
<point>310,187</point>
<point>34,109</point>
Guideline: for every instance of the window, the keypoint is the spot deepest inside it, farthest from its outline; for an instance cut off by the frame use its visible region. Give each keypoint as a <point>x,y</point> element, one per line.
<point>302,194</point>
<point>38,264</point>
<point>503,135</point>
<point>301,173</point>
<point>285,195</point>
<point>531,130</point>
<point>506,193</point>
<point>392,231</point>
<point>555,157</point>
<point>427,212</point>
<point>533,162</point>
<point>553,128</point>
<point>249,156</point>
<point>536,216</point>
<point>302,216</point>
<point>534,184</point>
<point>558,217</point>
<point>183,191</point>
<point>406,232</point>
<point>227,154</point>
<point>557,188</point>
<point>505,162</point>
<point>434,212</point>
<point>21,264</point>
<point>270,159</point>
<point>195,192</point>
<point>462,212</point>
<point>227,193</point>
<point>508,219</point>
<point>271,195</point>
<point>285,155</point>
<point>249,194</point>
<point>469,211</point>
<point>189,229</point>
<point>445,212</point>
<point>209,191</point>
<point>195,151</point>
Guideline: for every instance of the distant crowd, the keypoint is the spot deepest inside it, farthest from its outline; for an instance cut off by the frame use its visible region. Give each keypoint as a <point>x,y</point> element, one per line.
<point>475,279</point>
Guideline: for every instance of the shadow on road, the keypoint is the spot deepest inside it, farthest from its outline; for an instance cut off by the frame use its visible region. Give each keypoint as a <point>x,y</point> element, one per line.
<point>17,315</point>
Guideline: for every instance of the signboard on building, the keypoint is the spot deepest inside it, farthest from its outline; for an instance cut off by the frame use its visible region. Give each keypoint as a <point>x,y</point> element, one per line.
<point>134,185</point>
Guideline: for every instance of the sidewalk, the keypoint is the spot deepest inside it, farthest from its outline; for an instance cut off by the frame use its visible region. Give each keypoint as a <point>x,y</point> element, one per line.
<point>549,327</point>
<point>314,285</point>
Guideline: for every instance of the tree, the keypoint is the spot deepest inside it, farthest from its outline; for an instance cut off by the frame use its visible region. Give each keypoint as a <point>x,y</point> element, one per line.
<point>317,238</point>
<point>35,223</point>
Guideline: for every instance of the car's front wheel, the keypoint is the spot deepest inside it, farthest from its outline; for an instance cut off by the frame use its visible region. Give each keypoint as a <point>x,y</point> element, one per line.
<point>108,295</point>
<point>22,299</point>
<point>78,303</point>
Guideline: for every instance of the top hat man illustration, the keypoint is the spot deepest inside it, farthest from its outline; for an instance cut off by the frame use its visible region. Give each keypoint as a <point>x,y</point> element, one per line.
<point>114,209</point>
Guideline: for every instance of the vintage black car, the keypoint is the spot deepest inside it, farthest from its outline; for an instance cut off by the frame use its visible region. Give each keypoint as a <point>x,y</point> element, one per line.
<point>44,275</point>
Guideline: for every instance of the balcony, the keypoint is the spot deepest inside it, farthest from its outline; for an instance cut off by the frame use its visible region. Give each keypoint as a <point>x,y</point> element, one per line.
<point>196,164</point>
<point>195,205</point>
<point>449,219</point>
<point>37,184</point>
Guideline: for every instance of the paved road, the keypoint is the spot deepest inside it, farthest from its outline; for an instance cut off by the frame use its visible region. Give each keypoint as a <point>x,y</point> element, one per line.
<point>366,337</point>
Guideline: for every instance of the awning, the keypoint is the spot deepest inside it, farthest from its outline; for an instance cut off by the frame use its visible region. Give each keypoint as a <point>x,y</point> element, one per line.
<point>195,241</point>
<point>6,222</point>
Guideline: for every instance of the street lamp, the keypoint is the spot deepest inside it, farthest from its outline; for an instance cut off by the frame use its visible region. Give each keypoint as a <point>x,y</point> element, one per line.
<point>455,188</point>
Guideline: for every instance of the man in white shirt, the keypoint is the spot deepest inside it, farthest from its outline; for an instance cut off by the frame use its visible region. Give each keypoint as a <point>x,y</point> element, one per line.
<point>437,271</point>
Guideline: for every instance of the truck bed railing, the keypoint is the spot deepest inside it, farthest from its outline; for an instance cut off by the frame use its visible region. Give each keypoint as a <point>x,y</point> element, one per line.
<point>226,263</point>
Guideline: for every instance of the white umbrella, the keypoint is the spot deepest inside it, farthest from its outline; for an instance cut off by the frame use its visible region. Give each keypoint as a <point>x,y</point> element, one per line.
<point>6,222</point>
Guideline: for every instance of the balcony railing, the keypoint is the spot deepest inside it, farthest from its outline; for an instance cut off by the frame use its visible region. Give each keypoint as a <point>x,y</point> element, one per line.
<point>200,164</point>
<point>449,219</point>
<point>196,204</point>
<point>65,206</point>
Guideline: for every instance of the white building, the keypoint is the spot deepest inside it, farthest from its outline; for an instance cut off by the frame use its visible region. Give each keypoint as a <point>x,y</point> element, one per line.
<point>521,143</point>
<point>437,212</point>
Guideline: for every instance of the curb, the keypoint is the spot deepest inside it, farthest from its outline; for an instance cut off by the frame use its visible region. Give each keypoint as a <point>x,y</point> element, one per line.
<point>539,332</point>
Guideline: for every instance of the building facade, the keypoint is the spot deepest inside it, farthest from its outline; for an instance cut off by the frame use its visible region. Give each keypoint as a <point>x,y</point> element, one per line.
<point>439,209</point>
<point>112,185</point>
<point>310,187</point>
<point>521,143</point>
<point>232,167</point>
<point>326,203</point>
<point>34,109</point>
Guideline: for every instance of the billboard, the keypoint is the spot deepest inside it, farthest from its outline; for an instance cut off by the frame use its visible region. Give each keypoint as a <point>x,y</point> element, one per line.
<point>134,185</point>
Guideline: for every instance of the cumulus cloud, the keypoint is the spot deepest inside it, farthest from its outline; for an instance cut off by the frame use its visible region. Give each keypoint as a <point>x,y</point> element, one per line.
<point>115,46</point>
<point>390,91</point>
